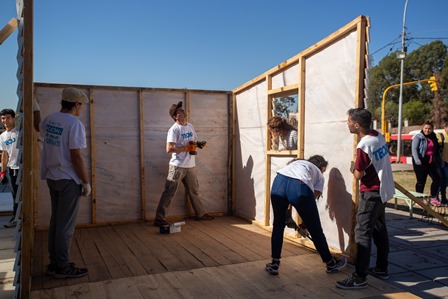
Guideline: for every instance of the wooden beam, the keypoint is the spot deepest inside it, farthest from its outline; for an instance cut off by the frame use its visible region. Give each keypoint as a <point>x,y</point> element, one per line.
<point>8,29</point>
<point>421,204</point>
<point>92,151</point>
<point>27,243</point>
<point>142,155</point>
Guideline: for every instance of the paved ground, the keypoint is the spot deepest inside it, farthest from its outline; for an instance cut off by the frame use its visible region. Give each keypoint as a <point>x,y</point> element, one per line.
<point>419,254</point>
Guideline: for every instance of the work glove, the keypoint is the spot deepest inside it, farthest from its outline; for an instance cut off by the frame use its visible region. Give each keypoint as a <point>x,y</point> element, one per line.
<point>352,167</point>
<point>86,189</point>
<point>190,147</point>
<point>2,176</point>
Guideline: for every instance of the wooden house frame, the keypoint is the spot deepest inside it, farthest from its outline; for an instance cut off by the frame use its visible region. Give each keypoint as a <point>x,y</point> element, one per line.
<point>357,33</point>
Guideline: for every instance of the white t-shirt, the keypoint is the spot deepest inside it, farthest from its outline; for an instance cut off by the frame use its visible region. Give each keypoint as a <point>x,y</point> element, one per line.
<point>61,133</point>
<point>182,135</point>
<point>376,150</point>
<point>307,172</point>
<point>8,143</point>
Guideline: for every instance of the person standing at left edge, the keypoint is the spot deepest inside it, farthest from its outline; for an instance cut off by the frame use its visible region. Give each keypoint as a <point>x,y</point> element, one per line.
<point>63,168</point>
<point>372,168</point>
<point>10,154</point>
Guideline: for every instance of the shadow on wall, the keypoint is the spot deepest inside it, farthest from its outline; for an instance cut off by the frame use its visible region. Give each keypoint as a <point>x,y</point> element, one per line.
<point>339,205</point>
<point>247,181</point>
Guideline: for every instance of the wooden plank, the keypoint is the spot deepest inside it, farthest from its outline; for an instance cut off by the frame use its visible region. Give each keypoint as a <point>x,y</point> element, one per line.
<point>80,291</point>
<point>8,29</point>
<point>134,236</point>
<point>125,288</point>
<point>215,243</point>
<point>421,204</point>
<point>92,152</point>
<point>114,268</point>
<point>237,242</point>
<point>38,268</point>
<point>142,155</point>
<point>124,257</point>
<point>27,233</point>
<point>88,255</point>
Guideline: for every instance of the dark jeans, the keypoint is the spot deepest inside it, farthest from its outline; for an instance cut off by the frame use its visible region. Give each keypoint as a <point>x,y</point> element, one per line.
<point>371,223</point>
<point>12,179</point>
<point>421,173</point>
<point>287,191</point>
<point>65,196</point>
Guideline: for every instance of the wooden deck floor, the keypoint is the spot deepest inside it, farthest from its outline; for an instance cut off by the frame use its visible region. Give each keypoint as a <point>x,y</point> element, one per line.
<point>223,258</point>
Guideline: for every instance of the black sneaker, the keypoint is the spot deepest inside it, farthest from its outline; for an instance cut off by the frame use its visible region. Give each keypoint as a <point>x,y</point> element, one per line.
<point>10,224</point>
<point>51,270</point>
<point>352,282</point>
<point>161,223</point>
<point>70,271</point>
<point>273,267</point>
<point>338,264</point>
<point>378,273</point>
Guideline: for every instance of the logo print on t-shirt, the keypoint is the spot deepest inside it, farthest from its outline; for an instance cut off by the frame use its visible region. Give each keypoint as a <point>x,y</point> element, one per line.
<point>53,135</point>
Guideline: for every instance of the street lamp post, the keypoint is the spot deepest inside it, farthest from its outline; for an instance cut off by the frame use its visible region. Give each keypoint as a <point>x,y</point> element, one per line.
<point>401,56</point>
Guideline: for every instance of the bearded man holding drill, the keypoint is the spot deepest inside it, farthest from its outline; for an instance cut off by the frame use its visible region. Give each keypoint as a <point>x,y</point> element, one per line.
<point>181,143</point>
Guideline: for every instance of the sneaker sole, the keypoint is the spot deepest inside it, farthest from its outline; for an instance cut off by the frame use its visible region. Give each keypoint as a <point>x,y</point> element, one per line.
<point>382,277</point>
<point>59,276</point>
<point>351,287</point>
<point>272,272</point>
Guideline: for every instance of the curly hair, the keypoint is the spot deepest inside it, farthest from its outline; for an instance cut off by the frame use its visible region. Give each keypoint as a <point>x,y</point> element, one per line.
<point>280,124</point>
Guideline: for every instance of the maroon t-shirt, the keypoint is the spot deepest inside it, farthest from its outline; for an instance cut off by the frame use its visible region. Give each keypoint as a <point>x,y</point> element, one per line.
<point>370,181</point>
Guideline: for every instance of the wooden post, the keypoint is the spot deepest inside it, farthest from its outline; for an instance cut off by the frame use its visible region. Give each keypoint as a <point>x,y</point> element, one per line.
<point>142,155</point>
<point>27,155</point>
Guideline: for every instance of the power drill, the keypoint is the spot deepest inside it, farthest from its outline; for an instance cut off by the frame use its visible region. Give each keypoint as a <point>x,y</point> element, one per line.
<point>200,144</point>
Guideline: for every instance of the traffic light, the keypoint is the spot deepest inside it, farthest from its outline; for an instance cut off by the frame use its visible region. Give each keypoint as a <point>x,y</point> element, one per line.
<point>433,83</point>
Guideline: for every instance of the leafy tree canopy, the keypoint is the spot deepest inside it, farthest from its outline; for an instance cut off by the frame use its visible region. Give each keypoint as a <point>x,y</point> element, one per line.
<point>426,61</point>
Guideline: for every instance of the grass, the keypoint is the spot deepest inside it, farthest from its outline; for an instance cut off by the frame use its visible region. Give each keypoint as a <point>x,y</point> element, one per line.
<point>407,180</point>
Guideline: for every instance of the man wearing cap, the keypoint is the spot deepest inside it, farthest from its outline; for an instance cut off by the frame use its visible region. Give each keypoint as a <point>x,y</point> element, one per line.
<point>181,167</point>
<point>63,167</point>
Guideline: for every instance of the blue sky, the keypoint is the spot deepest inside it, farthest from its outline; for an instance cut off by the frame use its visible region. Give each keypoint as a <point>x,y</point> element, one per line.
<point>196,44</point>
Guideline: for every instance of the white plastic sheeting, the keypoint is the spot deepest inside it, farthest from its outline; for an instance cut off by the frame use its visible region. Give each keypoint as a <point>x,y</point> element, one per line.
<point>123,179</point>
<point>330,90</point>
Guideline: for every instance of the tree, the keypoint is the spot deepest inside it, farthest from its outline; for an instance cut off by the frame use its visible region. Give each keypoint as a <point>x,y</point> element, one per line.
<point>420,64</point>
<point>282,106</point>
<point>416,112</point>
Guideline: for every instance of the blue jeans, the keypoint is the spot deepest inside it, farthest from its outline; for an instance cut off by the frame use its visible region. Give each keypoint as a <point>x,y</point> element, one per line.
<point>285,191</point>
<point>371,223</point>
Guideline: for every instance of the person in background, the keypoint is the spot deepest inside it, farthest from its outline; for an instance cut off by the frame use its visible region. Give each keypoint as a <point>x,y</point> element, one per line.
<point>62,166</point>
<point>300,184</point>
<point>10,153</point>
<point>443,141</point>
<point>427,160</point>
<point>285,135</point>
<point>372,168</point>
<point>182,167</point>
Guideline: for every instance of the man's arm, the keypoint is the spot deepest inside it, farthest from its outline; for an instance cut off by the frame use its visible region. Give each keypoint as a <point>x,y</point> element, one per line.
<point>172,148</point>
<point>5,160</point>
<point>78,164</point>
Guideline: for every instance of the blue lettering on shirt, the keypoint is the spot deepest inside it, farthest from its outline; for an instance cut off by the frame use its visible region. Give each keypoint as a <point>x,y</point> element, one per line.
<point>53,135</point>
<point>187,135</point>
<point>381,152</point>
<point>10,141</point>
